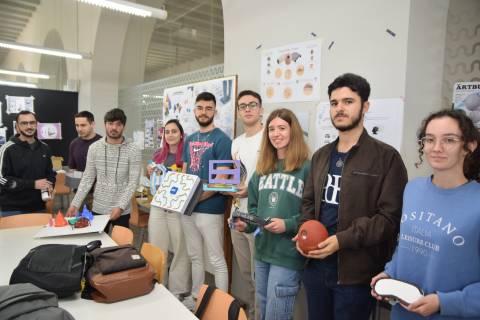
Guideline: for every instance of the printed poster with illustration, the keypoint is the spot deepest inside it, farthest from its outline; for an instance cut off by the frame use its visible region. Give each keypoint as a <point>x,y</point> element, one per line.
<point>383,121</point>
<point>179,103</point>
<point>466,96</point>
<point>49,131</point>
<point>291,73</point>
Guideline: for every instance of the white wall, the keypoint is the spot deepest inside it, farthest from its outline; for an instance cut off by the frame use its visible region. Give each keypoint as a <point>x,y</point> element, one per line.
<point>358,29</point>
<point>424,73</point>
<point>392,65</point>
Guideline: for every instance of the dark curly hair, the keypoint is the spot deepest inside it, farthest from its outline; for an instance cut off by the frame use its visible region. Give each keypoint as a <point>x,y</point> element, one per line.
<point>471,165</point>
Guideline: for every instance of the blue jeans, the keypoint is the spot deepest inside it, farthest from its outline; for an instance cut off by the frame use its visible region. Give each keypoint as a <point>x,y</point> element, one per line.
<point>275,289</point>
<point>329,300</point>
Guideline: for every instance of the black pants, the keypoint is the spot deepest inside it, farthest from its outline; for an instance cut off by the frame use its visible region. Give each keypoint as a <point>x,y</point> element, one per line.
<point>122,221</point>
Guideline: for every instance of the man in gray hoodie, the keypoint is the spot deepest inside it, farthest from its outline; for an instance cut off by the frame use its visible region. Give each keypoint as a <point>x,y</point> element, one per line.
<point>114,164</point>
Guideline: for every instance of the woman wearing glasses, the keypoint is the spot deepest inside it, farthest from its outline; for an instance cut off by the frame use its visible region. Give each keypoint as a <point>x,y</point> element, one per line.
<point>275,191</point>
<point>439,241</point>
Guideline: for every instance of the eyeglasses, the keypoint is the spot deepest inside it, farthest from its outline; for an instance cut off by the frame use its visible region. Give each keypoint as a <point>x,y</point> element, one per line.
<point>252,105</point>
<point>446,142</point>
<point>206,109</point>
<point>27,123</point>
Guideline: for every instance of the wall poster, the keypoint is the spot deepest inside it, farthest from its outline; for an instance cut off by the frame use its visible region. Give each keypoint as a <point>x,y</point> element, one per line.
<point>49,131</point>
<point>291,73</point>
<point>383,121</point>
<point>16,104</point>
<point>466,96</point>
<point>179,103</point>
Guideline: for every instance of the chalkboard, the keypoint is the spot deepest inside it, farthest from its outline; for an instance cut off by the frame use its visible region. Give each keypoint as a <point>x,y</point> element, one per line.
<point>51,106</point>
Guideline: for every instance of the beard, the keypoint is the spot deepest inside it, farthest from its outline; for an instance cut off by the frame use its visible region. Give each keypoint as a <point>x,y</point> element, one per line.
<point>26,133</point>
<point>204,123</point>
<point>113,134</point>
<point>355,122</point>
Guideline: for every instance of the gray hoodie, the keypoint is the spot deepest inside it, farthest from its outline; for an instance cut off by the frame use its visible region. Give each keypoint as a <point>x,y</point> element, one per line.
<point>116,168</point>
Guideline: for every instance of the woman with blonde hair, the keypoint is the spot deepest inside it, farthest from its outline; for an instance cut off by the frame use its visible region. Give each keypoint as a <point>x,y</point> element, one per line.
<point>275,191</point>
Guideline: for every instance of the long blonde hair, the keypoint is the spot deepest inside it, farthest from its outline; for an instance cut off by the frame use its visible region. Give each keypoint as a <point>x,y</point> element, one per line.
<point>297,151</point>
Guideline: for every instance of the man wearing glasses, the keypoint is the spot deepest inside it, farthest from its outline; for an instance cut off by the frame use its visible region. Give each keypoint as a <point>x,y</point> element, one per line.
<point>204,228</point>
<point>25,169</point>
<point>246,148</point>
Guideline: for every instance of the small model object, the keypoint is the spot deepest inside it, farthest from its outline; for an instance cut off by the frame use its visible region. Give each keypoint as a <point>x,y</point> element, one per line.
<point>81,223</point>
<point>60,220</point>
<point>223,185</point>
<point>311,233</point>
<point>250,218</point>
<point>156,178</point>
<point>398,291</point>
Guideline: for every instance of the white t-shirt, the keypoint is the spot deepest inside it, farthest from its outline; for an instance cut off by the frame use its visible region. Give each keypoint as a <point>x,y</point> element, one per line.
<point>246,149</point>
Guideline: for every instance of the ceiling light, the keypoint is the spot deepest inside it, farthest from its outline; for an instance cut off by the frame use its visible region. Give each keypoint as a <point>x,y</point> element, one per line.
<point>18,84</point>
<point>130,8</point>
<point>42,50</point>
<point>25,74</point>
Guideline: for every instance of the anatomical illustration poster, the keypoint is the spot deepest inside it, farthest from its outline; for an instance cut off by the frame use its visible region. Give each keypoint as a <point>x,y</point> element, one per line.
<point>383,121</point>
<point>291,73</point>
<point>466,96</point>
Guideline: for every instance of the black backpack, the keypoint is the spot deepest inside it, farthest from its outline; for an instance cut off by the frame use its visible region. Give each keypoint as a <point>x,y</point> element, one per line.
<point>58,268</point>
<point>28,302</point>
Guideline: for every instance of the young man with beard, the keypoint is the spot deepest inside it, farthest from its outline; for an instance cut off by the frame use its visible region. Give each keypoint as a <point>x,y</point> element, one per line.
<point>25,169</point>
<point>204,228</point>
<point>355,189</point>
<point>85,126</point>
<point>114,164</point>
<point>246,148</point>
<point>77,155</point>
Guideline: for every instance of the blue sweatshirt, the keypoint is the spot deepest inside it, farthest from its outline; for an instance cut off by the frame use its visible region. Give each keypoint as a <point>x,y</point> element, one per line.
<point>439,247</point>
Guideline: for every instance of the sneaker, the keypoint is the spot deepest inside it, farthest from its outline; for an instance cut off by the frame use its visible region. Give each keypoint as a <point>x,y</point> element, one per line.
<point>189,302</point>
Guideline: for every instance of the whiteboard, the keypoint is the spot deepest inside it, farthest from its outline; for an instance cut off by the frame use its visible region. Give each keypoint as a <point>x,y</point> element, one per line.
<point>97,225</point>
<point>179,103</point>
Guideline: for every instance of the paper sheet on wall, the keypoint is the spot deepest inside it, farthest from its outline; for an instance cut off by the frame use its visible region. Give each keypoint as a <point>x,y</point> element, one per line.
<point>466,96</point>
<point>16,104</point>
<point>179,102</point>
<point>291,73</point>
<point>138,139</point>
<point>3,135</point>
<point>49,131</point>
<point>149,134</point>
<point>383,121</point>
<point>304,120</point>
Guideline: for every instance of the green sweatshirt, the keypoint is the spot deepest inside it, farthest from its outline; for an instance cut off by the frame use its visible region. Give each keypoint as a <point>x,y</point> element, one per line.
<point>278,195</point>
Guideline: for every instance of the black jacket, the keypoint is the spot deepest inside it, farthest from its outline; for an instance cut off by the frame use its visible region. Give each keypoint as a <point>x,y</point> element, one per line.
<point>20,165</point>
<point>370,208</point>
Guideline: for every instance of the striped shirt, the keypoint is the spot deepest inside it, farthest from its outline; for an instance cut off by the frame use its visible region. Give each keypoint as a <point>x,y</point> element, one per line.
<point>116,168</point>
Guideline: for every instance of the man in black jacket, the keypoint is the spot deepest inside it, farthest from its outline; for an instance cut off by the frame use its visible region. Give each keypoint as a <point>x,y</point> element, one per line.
<point>25,169</point>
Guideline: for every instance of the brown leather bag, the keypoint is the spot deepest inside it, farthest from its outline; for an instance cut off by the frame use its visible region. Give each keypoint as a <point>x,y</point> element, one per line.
<point>119,285</point>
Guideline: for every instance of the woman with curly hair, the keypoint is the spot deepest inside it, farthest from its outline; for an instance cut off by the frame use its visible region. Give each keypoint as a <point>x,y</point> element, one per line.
<point>439,241</point>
